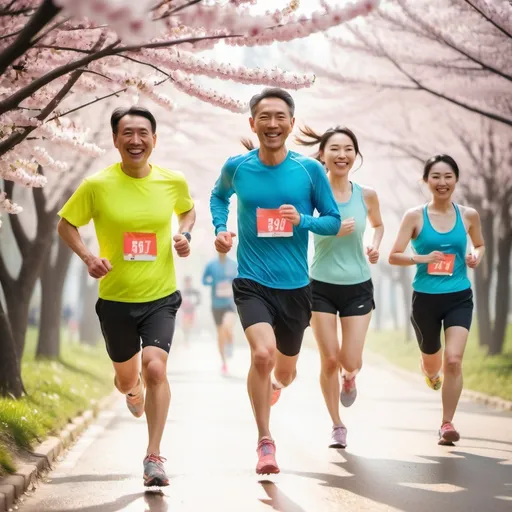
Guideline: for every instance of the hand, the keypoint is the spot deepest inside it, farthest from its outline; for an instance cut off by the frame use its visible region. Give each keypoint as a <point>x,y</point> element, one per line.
<point>289,212</point>
<point>472,260</point>
<point>373,254</point>
<point>347,227</point>
<point>224,241</point>
<point>433,257</point>
<point>181,245</point>
<point>98,267</point>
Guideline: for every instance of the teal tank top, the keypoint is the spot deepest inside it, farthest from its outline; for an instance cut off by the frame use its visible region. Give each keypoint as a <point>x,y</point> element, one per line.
<point>342,259</point>
<point>451,242</point>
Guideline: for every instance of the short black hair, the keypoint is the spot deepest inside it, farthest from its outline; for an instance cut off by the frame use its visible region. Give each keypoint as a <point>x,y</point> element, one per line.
<point>134,110</point>
<point>447,159</point>
<point>272,92</point>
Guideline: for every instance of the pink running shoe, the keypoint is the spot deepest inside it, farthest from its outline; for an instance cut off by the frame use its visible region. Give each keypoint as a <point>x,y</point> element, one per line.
<point>448,435</point>
<point>266,451</point>
<point>224,369</point>
<point>338,437</point>
<point>276,393</point>
<point>348,391</point>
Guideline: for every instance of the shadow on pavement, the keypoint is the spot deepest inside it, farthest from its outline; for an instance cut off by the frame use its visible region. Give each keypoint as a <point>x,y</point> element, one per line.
<point>277,499</point>
<point>112,506</point>
<point>155,501</point>
<point>88,478</point>
<point>401,484</point>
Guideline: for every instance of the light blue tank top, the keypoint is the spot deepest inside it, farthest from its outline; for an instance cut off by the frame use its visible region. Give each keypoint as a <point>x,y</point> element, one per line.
<point>451,242</point>
<point>342,259</point>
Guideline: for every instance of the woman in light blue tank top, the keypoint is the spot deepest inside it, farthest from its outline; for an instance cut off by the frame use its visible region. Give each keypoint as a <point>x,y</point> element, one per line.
<point>340,274</point>
<point>442,297</point>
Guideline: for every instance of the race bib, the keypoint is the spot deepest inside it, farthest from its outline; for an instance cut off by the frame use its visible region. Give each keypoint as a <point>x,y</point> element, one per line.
<point>442,268</point>
<point>139,246</point>
<point>224,290</point>
<point>271,224</point>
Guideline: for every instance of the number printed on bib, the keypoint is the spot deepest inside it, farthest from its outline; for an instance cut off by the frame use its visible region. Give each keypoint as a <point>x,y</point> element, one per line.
<point>442,268</point>
<point>139,246</point>
<point>271,224</point>
<point>224,290</point>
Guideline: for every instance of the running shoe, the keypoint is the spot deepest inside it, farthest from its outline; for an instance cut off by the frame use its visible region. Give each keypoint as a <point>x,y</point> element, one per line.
<point>338,437</point>
<point>224,369</point>
<point>276,393</point>
<point>348,391</point>
<point>266,451</point>
<point>135,402</point>
<point>154,472</point>
<point>448,435</point>
<point>435,383</point>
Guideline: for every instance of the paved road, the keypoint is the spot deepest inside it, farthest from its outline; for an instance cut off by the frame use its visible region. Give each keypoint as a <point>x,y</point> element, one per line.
<point>392,461</point>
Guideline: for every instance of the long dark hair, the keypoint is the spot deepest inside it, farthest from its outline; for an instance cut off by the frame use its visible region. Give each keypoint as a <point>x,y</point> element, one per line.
<point>311,138</point>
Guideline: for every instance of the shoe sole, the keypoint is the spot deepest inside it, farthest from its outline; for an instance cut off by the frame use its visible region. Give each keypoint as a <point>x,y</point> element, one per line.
<point>449,438</point>
<point>348,402</point>
<point>155,482</point>
<point>269,469</point>
<point>338,446</point>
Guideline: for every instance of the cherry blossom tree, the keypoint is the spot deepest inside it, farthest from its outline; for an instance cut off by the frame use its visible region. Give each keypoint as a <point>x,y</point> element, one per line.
<point>58,57</point>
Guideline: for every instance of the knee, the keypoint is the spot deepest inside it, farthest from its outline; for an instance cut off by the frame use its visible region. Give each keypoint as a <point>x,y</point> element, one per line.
<point>154,372</point>
<point>264,360</point>
<point>285,378</point>
<point>330,364</point>
<point>126,384</point>
<point>351,364</point>
<point>453,365</point>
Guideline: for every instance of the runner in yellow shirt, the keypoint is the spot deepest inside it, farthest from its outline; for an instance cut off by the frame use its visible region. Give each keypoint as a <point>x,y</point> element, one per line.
<point>132,204</point>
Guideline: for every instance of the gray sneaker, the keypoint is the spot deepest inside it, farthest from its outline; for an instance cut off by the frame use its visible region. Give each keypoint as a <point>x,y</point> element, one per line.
<point>154,472</point>
<point>348,391</point>
<point>338,437</point>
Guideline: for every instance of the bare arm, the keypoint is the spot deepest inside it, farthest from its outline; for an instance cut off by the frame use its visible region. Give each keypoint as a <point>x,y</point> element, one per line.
<point>71,236</point>
<point>187,220</point>
<point>475,233</point>
<point>97,267</point>
<point>374,216</point>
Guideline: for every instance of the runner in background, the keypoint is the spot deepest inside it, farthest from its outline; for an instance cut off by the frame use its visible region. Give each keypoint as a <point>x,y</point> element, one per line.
<point>219,274</point>
<point>442,297</point>
<point>191,300</point>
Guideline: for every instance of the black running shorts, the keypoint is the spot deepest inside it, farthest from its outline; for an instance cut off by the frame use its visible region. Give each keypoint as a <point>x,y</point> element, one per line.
<point>287,311</point>
<point>433,311</point>
<point>343,299</point>
<point>125,324</point>
<point>218,314</point>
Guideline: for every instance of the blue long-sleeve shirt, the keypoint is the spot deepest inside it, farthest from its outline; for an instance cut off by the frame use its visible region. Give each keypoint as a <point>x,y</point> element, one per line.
<point>300,181</point>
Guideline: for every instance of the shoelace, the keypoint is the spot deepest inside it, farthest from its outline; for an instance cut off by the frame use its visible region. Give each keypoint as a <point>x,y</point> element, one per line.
<point>153,457</point>
<point>266,447</point>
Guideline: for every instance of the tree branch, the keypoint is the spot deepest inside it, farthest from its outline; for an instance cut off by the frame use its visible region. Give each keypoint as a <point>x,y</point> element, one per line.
<point>87,104</point>
<point>177,9</point>
<point>489,19</point>
<point>63,48</point>
<point>46,12</point>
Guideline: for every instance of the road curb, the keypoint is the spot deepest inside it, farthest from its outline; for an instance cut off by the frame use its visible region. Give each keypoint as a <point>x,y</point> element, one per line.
<point>474,396</point>
<point>12,487</point>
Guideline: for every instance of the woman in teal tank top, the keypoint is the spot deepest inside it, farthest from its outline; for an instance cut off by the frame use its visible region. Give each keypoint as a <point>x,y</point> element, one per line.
<point>340,275</point>
<point>442,297</point>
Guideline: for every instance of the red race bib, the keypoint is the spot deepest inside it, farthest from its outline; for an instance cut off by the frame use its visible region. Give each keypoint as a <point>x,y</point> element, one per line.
<point>139,246</point>
<point>271,224</point>
<point>442,268</point>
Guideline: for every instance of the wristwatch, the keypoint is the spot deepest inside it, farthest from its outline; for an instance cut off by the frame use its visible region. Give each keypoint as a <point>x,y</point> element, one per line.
<point>187,235</point>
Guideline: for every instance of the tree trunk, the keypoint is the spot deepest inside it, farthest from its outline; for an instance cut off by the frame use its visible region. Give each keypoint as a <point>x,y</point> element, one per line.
<point>53,278</point>
<point>483,281</point>
<point>503,283</point>
<point>10,368</point>
<point>89,329</point>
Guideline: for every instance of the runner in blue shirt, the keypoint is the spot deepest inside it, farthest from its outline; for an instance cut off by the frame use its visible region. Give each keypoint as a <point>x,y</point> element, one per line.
<point>278,191</point>
<point>219,274</point>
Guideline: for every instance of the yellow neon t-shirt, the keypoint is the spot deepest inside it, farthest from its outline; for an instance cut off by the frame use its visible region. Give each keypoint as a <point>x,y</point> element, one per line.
<point>119,204</point>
